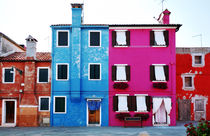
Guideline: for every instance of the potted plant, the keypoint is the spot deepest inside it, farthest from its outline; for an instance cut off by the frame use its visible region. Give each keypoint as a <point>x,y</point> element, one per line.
<point>121,85</point>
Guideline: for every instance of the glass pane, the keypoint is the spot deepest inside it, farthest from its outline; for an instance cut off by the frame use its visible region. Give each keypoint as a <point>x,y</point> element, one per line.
<point>43,75</point>
<point>62,38</point>
<point>8,75</point>
<point>62,71</point>
<point>44,104</point>
<point>199,105</point>
<point>94,38</point>
<point>60,104</point>
<point>198,59</point>
<point>188,81</point>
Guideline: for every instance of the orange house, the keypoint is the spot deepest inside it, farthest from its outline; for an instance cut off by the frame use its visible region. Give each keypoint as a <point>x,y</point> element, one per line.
<point>25,87</point>
<point>192,83</point>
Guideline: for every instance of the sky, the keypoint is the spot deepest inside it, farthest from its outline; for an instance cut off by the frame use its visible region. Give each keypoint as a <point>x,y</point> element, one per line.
<point>20,18</point>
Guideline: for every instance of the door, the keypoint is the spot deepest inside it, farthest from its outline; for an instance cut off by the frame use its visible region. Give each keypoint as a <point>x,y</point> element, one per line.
<point>199,109</point>
<point>184,109</point>
<point>9,112</point>
<point>94,116</point>
<point>94,112</point>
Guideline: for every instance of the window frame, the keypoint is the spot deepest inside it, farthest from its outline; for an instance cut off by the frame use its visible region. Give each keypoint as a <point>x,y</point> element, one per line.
<point>3,79</point>
<point>40,97</point>
<point>54,112</point>
<point>202,60</point>
<point>145,102</point>
<point>121,65</point>
<point>89,38</point>
<point>62,46</point>
<point>38,68</point>
<point>160,30</point>
<point>122,46</point>
<point>89,70</point>
<point>118,102</point>
<point>158,81</point>
<point>57,71</point>
<point>183,82</point>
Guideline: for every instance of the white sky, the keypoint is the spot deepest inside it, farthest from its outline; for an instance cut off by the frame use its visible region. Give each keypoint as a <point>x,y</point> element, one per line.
<point>19,18</point>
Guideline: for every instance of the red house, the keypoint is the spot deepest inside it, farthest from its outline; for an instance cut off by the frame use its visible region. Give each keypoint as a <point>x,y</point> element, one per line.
<point>25,86</point>
<point>193,78</point>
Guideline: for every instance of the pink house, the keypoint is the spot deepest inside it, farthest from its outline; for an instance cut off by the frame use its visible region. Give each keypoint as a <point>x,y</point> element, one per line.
<point>142,81</point>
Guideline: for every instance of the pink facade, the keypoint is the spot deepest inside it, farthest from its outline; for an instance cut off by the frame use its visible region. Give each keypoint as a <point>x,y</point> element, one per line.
<point>139,56</point>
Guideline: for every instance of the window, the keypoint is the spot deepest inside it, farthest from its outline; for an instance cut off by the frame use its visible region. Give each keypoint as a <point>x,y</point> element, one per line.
<point>62,38</point>
<point>59,104</point>
<point>94,39</point>
<point>94,71</point>
<point>199,105</point>
<point>8,75</point>
<point>120,38</point>
<point>188,81</point>
<point>62,71</point>
<point>159,38</point>
<point>121,72</point>
<point>125,103</point>
<point>44,103</point>
<point>43,75</point>
<point>198,60</point>
<point>159,73</point>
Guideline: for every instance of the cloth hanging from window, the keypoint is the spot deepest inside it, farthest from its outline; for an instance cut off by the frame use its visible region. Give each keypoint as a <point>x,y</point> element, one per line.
<point>122,103</point>
<point>167,103</point>
<point>156,105</point>
<point>141,103</point>
<point>159,73</point>
<point>159,38</point>
<point>121,38</point>
<point>94,105</point>
<point>121,73</point>
<point>160,115</point>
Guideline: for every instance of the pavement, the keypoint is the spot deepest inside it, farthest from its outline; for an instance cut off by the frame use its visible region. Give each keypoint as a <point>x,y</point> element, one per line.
<point>178,130</point>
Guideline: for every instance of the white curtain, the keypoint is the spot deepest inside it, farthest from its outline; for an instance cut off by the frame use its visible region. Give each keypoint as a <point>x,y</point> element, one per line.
<point>156,105</point>
<point>141,103</point>
<point>121,37</point>
<point>122,103</point>
<point>121,73</point>
<point>159,38</point>
<point>167,102</point>
<point>160,115</point>
<point>159,73</point>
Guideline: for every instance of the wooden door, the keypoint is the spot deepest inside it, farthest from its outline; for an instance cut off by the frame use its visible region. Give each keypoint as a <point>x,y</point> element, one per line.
<point>184,109</point>
<point>199,109</point>
<point>10,111</point>
<point>94,116</point>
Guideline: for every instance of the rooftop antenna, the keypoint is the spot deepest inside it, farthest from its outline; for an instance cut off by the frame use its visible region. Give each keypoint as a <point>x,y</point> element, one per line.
<point>162,1</point>
<point>199,35</point>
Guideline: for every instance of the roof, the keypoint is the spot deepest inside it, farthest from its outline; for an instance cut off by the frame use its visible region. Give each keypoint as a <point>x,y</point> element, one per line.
<point>21,56</point>
<point>17,45</point>
<point>189,50</point>
<point>82,25</point>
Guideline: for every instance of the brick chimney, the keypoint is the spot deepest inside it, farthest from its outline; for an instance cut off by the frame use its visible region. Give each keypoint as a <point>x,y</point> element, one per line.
<point>77,14</point>
<point>166,16</point>
<point>31,47</point>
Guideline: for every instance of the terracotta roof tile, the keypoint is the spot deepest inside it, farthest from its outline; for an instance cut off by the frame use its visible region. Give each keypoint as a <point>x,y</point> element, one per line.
<point>21,56</point>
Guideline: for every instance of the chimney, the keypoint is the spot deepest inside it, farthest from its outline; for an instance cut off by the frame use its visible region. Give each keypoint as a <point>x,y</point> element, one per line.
<point>166,16</point>
<point>31,47</point>
<point>77,14</point>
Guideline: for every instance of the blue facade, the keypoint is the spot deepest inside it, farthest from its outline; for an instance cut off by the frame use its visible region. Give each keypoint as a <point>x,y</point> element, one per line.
<point>78,88</point>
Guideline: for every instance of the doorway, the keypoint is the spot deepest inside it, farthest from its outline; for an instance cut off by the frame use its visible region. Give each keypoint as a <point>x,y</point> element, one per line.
<point>94,112</point>
<point>9,112</point>
<point>184,109</point>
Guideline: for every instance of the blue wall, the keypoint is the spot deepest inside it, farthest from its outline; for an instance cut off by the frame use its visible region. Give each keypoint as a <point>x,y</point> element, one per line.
<point>78,88</point>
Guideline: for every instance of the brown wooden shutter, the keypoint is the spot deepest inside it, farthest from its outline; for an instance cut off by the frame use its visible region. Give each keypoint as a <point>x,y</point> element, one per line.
<point>127,68</point>
<point>166,36</point>
<point>129,101</point>
<point>148,102</point>
<point>114,68</point>
<point>152,73</point>
<point>115,103</point>
<point>166,71</point>
<point>114,38</point>
<point>152,38</point>
<point>128,38</point>
<point>134,105</point>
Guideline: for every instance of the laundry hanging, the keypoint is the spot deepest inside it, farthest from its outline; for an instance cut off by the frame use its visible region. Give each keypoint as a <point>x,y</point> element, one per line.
<point>94,105</point>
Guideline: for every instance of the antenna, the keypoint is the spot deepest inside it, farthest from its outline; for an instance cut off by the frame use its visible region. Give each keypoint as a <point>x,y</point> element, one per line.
<point>200,35</point>
<point>162,1</point>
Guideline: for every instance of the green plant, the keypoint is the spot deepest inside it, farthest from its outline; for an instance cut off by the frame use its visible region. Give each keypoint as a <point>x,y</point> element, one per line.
<point>202,129</point>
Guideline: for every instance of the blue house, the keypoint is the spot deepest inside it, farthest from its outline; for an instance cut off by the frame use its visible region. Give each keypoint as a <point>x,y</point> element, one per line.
<point>79,91</point>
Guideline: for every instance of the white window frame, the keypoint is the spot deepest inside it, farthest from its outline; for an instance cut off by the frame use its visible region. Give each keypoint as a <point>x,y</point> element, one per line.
<point>202,60</point>
<point>118,100</point>
<point>120,46</point>
<point>157,30</point>
<point>157,81</point>
<point>38,74</point>
<point>89,38</point>
<point>89,70</point>
<point>40,103</point>
<point>121,65</point>
<point>3,71</point>
<point>57,71</point>
<point>62,46</point>
<point>145,102</point>
<point>183,81</point>
<point>54,105</point>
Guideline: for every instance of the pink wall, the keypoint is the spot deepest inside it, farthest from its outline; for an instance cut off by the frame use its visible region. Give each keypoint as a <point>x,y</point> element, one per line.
<point>139,55</point>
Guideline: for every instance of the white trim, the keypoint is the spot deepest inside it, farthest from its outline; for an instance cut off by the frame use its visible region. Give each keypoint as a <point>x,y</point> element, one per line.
<point>88,114</point>
<point>120,64</point>
<point>89,37</point>
<point>202,60</point>
<point>140,94</point>
<point>57,38</point>
<point>3,71</point>
<point>121,30</point>
<point>130,27</point>
<point>4,113</point>
<point>121,94</point>
<point>54,106</point>
<point>38,68</point>
<point>159,64</point>
<point>89,70</point>
<point>183,81</point>
<point>40,103</point>
<point>121,46</point>
<point>158,46</point>
<point>57,71</point>
<point>28,106</point>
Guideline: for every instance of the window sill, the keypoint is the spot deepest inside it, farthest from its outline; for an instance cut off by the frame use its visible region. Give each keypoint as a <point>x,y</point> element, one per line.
<point>141,111</point>
<point>94,79</point>
<point>121,46</point>
<point>159,81</point>
<point>158,46</point>
<point>188,88</point>
<point>120,81</point>
<point>94,46</point>
<point>198,65</point>
<point>123,111</point>
<point>8,82</point>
